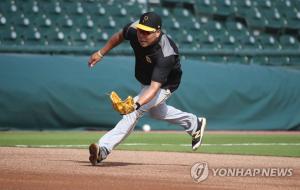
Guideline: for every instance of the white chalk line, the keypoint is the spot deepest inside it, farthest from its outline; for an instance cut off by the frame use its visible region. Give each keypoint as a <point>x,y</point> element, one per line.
<point>149,144</point>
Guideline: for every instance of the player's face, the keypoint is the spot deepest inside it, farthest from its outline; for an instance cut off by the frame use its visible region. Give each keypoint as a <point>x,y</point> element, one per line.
<point>146,38</point>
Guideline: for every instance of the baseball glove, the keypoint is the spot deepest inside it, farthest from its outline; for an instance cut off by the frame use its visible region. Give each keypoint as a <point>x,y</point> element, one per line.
<point>123,107</point>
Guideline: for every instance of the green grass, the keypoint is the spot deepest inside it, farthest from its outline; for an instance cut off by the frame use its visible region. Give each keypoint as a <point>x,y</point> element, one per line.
<point>164,142</point>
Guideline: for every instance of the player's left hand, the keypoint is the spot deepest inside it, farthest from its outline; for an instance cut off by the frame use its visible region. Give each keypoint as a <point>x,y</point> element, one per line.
<point>123,107</point>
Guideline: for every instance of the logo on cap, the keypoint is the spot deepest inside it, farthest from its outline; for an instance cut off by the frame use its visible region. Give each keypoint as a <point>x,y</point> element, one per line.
<point>145,19</point>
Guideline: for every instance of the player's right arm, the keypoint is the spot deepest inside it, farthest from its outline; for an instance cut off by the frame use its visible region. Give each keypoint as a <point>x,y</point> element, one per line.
<point>115,40</point>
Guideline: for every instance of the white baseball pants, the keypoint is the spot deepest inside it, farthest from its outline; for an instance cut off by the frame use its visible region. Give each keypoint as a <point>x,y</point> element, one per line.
<point>158,109</point>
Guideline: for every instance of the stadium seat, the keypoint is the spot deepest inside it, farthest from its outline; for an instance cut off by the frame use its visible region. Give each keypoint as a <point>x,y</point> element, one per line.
<point>205,7</point>
<point>295,60</point>
<point>43,21</point>
<point>241,7</point>
<point>207,41</point>
<point>228,42</point>
<point>33,37</point>
<point>73,8</point>
<point>268,42</point>
<point>289,42</point>
<point>273,19</point>
<point>10,37</point>
<point>237,59</point>
<point>264,5</point>
<point>163,12</point>
<point>52,7</point>
<point>215,28</point>
<point>279,60</point>
<point>9,7</point>
<point>182,13</point>
<point>259,60</point>
<point>3,22</point>
<point>65,21</point>
<point>249,43</point>
<point>236,29</point>
<point>255,19</point>
<point>224,8</point>
<point>133,8</point>
<point>215,58</point>
<point>293,19</point>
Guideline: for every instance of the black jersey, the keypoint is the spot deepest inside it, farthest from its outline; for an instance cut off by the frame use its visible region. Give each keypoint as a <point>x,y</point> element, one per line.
<point>158,62</point>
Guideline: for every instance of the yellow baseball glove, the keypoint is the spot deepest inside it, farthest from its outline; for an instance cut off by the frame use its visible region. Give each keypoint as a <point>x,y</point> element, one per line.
<point>123,107</point>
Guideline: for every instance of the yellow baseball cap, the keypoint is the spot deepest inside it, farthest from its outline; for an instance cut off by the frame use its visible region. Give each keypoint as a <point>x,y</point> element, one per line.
<point>149,22</point>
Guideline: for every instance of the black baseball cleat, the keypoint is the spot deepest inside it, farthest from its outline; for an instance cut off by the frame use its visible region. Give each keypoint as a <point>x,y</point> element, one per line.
<point>94,154</point>
<point>97,154</point>
<point>198,134</point>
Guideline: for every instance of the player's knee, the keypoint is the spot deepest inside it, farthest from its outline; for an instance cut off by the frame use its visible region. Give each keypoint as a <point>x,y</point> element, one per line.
<point>155,115</point>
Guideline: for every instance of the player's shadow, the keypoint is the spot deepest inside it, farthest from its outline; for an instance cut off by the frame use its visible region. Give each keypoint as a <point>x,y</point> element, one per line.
<point>117,164</point>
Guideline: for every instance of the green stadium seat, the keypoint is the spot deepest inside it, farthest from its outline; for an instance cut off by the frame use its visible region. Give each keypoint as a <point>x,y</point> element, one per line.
<point>249,43</point>
<point>293,19</point>
<point>3,22</point>
<point>115,10</point>
<point>228,42</point>
<point>4,6</point>
<point>237,59</point>
<point>9,7</point>
<point>295,60</point>
<point>279,60</point>
<point>236,29</point>
<point>268,42</point>
<point>33,37</point>
<point>121,22</point>
<point>215,58</point>
<point>79,38</point>
<point>255,19</point>
<point>186,19</point>
<point>289,42</point>
<point>73,7</point>
<point>284,6</point>
<point>134,9</point>
<point>259,60</point>
<point>43,21</point>
<point>171,24</point>
<point>207,41</point>
<point>214,28</point>
<point>241,7</point>
<point>224,8</point>
<point>264,5</point>
<point>10,37</point>
<point>273,19</point>
<point>205,7</point>
<point>182,13</point>
<point>52,8</point>
<point>186,41</point>
<point>163,12</point>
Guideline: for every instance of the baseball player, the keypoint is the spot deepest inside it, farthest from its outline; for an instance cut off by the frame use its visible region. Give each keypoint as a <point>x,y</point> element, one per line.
<point>158,69</point>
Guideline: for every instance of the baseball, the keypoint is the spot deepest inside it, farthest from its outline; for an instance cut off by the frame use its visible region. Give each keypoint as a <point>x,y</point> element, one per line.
<point>146,128</point>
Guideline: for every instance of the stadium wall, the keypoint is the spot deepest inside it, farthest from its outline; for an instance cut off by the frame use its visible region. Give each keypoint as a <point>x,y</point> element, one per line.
<point>39,92</point>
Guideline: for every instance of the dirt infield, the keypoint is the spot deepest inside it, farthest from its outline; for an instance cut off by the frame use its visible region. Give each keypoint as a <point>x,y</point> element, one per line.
<point>34,168</point>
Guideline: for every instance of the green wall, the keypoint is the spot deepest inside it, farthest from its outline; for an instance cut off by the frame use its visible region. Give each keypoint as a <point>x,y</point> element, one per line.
<point>60,92</point>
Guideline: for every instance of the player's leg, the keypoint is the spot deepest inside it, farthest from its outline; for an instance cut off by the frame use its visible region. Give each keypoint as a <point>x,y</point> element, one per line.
<point>99,151</point>
<point>191,123</point>
<point>112,138</point>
